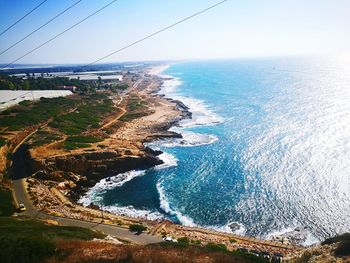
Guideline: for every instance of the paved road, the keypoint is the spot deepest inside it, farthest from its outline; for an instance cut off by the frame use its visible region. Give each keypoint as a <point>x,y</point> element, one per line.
<point>21,197</point>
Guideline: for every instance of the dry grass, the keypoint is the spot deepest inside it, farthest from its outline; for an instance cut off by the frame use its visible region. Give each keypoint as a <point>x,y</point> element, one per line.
<point>85,251</point>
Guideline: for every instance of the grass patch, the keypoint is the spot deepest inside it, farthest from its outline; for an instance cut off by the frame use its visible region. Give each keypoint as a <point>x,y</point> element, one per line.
<point>343,248</point>
<point>132,116</point>
<point>7,206</point>
<point>210,250</point>
<point>43,137</point>
<point>216,247</point>
<point>136,104</point>
<point>75,145</point>
<point>2,142</point>
<point>33,241</point>
<point>20,116</point>
<point>20,228</point>
<point>84,139</point>
<point>87,116</point>
<point>76,142</point>
<point>340,238</point>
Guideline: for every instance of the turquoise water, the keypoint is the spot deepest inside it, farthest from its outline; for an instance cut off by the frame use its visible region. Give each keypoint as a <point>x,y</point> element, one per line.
<point>268,148</point>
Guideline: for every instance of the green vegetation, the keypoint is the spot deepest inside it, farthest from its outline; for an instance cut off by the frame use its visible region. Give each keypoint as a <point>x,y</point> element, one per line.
<point>2,142</point>
<point>20,116</point>
<point>131,116</point>
<point>136,109</point>
<point>33,241</point>
<point>116,87</point>
<point>216,247</point>
<point>87,116</point>
<point>233,240</point>
<point>138,228</point>
<point>336,239</point>
<point>39,83</point>
<point>183,240</point>
<point>213,249</point>
<point>75,142</point>
<point>196,242</point>
<point>136,104</point>
<point>43,137</point>
<point>25,249</point>
<point>343,247</point>
<point>7,206</point>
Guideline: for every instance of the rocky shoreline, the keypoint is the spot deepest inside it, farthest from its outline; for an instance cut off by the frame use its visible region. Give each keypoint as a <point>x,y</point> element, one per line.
<point>81,171</point>
<point>59,178</point>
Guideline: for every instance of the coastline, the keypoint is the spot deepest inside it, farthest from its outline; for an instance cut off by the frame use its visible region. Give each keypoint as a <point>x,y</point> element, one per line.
<point>56,199</point>
<point>164,113</point>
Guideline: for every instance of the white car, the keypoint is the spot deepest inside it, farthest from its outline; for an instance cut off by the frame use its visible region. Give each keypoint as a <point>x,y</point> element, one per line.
<point>170,239</point>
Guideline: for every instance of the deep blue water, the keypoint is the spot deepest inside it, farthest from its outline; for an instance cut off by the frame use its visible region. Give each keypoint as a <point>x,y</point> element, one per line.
<point>280,151</point>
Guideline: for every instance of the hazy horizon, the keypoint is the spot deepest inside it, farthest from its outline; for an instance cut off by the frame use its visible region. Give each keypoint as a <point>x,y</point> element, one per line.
<point>231,30</point>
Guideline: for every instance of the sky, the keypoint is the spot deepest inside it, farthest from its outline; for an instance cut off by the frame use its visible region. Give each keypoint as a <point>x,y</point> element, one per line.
<point>249,28</point>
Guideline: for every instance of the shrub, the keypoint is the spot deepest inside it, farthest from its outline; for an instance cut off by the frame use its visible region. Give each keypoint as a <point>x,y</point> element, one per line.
<point>183,240</point>
<point>196,242</point>
<point>137,228</point>
<point>7,207</point>
<point>9,156</point>
<point>343,249</point>
<point>25,249</point>
<point>233,240</point>
<point>340,238</point>
<point>216,247</point>
<point>2,142</point>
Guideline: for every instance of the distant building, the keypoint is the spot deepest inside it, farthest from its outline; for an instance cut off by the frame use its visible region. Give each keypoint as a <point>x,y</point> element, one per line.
<point>71,88</point>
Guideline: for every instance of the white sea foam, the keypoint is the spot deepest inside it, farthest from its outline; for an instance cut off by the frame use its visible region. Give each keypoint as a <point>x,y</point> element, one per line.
<point>201,115</point>
<point>227,229</point>
<point>94,194</point>
<point>298,235</point>
<point>168,159</point>
<point>165,205</point>
<point>189,139</point>
<point>132,212</point>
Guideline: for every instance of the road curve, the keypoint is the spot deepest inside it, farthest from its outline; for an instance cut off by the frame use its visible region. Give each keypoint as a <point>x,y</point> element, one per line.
<point>21,197</point>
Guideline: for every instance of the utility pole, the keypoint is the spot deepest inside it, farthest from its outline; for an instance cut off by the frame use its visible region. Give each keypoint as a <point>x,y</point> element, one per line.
<point>102,209</point>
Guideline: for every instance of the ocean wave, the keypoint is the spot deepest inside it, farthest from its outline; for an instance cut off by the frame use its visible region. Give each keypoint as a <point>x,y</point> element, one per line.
<point>298,235</point>
<point>168,159</point>
<point>240,228</point>
<point>165,206</point>
<point>188,221</point>
<point>201,113</point>
<point>189,139</point>
<point>94,194</point>
<point>133,212</point>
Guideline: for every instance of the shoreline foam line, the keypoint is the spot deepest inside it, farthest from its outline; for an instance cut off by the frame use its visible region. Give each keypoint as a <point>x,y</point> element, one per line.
<point>201,116</point>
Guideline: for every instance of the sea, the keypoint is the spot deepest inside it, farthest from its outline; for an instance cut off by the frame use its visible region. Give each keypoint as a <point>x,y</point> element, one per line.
<point>265,154</point>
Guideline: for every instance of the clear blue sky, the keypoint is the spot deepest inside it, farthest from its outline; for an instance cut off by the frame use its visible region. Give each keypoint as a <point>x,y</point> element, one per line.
<point>235,29</point>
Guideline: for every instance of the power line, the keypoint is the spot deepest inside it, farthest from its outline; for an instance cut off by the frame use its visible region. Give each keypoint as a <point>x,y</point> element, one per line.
<point>56,36</point>
<point>19,20</point>
<point>31,33</point>
<point>155,33</point>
